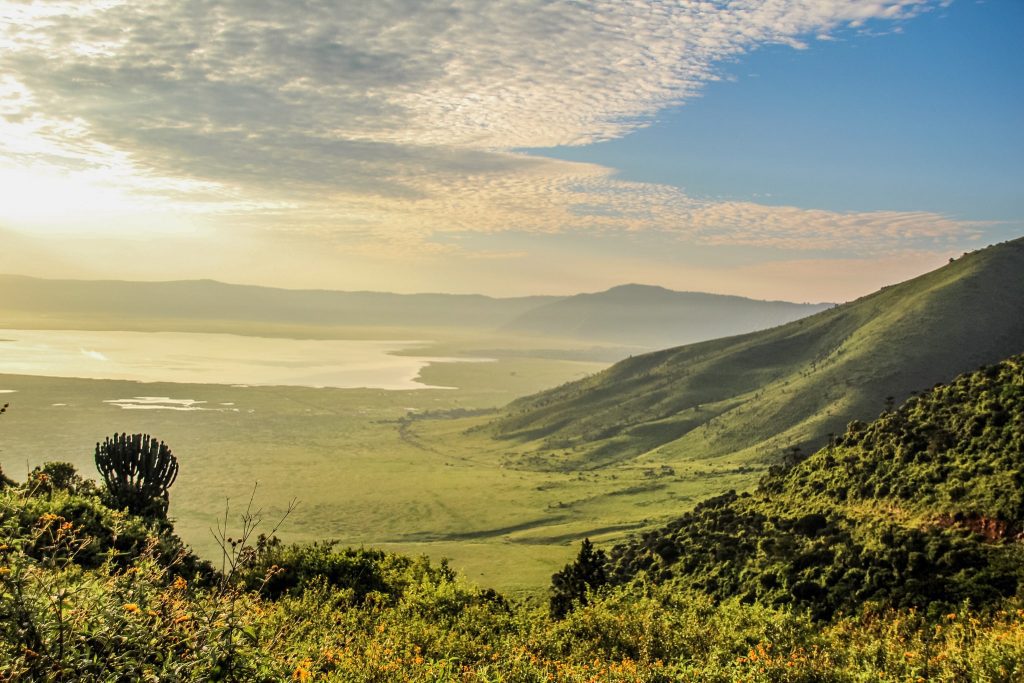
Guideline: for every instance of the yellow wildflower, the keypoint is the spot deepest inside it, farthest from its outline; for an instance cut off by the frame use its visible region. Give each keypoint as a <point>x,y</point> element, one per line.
<point>302,671</point>
<point>131,607</point>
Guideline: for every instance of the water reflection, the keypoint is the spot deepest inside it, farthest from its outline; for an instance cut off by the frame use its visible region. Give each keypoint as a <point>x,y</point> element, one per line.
<point>206,358</point>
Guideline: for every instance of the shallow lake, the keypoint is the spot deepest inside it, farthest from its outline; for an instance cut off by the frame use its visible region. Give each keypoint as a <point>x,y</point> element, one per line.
<point>206,358</point>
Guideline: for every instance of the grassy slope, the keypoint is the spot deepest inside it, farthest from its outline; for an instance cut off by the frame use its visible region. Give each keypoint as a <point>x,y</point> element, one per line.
<point>748,397</point>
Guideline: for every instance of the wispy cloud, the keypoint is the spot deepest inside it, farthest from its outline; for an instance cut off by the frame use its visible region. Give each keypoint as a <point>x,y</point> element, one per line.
<point>392,121</point>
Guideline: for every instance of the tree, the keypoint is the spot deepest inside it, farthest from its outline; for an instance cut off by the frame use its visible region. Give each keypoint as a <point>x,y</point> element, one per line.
<point>5,481</point>
<point>573,585</point>
<point>138,471</point>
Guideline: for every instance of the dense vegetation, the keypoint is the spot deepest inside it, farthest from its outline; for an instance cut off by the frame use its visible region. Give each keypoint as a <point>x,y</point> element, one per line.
<point>746,398</point>
<point>922,508</point>
<point>819,576</point>
<point>74,607</point>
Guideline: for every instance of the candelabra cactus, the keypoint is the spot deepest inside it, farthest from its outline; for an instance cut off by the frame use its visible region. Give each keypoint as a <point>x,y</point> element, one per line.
<point>138,471</point>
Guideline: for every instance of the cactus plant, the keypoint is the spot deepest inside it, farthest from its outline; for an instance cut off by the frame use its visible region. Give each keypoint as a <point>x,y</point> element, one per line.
<point>138,470</point>
<point>5,481</point>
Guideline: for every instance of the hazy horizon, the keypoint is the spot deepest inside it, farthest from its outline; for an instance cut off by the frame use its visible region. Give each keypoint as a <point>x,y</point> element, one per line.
<point>780,151</point>
<point>536,294</point>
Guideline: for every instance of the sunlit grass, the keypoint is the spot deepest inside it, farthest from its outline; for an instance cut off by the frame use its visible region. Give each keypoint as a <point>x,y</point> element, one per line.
<point>363,471</point>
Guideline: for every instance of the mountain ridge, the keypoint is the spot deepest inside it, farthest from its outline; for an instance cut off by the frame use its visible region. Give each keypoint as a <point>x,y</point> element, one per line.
<point>207,299</point>
<point>217,302</point>
<point>656,317</point>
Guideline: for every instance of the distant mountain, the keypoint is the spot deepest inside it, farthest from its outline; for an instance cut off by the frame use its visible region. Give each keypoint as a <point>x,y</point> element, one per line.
<point>209,300</point>
<point>655,317</point>
<point>751,397</point>
<point>920,508</point>
<point>632,315</point>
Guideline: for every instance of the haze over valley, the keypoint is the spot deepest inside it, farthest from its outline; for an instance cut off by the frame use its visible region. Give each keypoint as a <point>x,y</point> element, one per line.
<point>599,452</point>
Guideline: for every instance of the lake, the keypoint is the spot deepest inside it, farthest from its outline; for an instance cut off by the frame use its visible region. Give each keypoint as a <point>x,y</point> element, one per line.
<point>206,358</point>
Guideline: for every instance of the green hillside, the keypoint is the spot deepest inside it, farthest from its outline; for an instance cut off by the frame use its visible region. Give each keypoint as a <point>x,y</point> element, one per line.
<point>753,396</point>
<point>655,317</point>
<point>923,507</point>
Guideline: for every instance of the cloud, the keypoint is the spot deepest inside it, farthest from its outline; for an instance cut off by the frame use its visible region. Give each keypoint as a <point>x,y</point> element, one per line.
<point>396,120</point>
<point>484,74</point>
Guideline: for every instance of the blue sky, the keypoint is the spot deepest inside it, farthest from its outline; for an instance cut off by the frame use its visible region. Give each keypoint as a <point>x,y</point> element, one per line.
<point>930,117</point>
<point>811,150</point>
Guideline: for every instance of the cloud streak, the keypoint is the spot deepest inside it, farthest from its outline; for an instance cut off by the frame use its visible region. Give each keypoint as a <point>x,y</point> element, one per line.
<point>393,121</point>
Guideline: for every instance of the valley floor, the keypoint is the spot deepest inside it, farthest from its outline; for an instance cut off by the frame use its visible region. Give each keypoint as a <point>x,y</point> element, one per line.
<point>364,465</point>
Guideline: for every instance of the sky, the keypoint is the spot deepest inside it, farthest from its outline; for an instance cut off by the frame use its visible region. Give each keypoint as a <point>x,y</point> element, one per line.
<point>808,150</point>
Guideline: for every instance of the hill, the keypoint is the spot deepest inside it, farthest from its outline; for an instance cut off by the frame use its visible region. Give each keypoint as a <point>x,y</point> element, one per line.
<point>753,396</point>
<point>655,317</point>
<point>921,508</point>
<point>630,315</point>
<point>219,302</point>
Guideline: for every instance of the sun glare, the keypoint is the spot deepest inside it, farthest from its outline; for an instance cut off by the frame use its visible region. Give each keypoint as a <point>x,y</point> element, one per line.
<point>49,201</point>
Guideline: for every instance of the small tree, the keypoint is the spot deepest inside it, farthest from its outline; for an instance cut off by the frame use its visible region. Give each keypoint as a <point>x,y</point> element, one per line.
<point>573,584</point>
<point>138,471</point>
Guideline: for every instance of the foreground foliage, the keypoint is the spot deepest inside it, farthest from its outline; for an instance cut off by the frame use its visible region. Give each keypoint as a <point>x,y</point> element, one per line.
<point>73,607</point>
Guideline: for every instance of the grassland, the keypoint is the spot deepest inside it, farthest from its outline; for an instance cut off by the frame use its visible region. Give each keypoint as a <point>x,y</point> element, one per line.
<point>364,465</point>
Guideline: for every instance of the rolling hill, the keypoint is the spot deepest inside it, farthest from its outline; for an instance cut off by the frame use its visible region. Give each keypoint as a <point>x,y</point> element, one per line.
<point>655,317</point>
<point>750,397</point>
